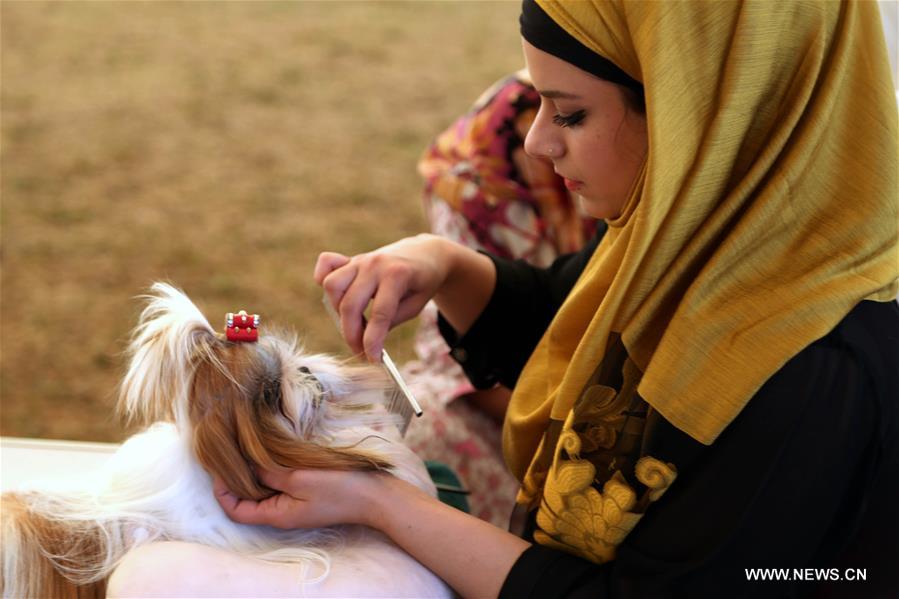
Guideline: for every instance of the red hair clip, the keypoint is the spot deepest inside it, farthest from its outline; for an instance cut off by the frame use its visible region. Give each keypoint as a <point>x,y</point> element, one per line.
<point>242,326</point>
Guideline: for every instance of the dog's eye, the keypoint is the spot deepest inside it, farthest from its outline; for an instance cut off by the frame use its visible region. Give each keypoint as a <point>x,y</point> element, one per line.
<point>271,393</point>
<point>319,395</point>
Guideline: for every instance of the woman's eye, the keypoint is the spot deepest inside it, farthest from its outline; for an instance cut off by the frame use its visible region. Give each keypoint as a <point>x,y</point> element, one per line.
<point>569,120</point>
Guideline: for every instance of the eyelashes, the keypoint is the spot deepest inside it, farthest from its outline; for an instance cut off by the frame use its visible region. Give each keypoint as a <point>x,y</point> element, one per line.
<point>569,120</point>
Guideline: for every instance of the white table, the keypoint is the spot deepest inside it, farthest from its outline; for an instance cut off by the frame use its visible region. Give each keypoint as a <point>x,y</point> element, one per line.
<point>30,459</point>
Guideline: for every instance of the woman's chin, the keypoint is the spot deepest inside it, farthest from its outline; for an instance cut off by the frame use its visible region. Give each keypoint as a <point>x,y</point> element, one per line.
<point>599,208</point>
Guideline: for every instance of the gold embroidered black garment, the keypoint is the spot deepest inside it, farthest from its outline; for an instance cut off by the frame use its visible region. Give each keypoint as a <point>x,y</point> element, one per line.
<point>810,455</point>
<point>598,482</point>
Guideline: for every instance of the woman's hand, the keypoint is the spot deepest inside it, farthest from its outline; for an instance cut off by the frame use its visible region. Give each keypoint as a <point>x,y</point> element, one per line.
<point>306,499</point>
<point>398,280</point>
<point>471,555</point>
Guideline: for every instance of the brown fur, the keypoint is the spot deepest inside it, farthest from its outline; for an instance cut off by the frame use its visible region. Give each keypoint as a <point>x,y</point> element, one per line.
<point>235,428</point>
<point>33,535</point>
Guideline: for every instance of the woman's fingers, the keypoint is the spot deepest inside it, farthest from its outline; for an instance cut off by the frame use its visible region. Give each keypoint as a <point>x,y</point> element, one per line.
<point>326,263</point>
<point>377,279</point>
<point>277,480</point>
<point>336,284</point>
<point>223,495</point>
<point>352,305</point>
<point>335,273</point>
<point>245,511</point>
<point>383,314</point>
<point>396,281</point>
<point>281,510</point>
<point>306,499</point>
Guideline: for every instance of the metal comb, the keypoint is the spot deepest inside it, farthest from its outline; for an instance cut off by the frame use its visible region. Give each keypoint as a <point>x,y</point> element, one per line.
<point>401,401</point>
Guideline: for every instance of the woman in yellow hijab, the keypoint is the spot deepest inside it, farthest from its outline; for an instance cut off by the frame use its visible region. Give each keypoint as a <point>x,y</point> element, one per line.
<point>710,388</point>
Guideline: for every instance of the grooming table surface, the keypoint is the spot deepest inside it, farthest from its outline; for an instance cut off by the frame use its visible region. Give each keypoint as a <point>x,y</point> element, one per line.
<point>22,460</point>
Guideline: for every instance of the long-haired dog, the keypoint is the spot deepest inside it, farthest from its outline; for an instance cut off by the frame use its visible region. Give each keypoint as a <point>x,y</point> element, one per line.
<point>217,408</point>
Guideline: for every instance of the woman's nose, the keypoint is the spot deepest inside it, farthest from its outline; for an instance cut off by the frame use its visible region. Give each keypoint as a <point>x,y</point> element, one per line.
<point>541,141</point>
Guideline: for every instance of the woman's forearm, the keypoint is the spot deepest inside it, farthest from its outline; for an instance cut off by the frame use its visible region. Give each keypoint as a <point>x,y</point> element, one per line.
<point>472,556</point>
<point>468,286</point>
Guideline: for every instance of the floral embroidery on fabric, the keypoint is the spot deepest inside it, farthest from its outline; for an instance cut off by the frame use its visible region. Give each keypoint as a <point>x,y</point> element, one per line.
<point>601,409</point>
<point>656,475</point>
<point>598,485</point>
<point>577,518</point>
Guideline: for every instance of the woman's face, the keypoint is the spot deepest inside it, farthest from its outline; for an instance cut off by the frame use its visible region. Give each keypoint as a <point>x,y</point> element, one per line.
<point>586,127</point>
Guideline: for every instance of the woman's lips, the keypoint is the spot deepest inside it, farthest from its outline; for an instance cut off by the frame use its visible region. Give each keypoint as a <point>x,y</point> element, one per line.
<point>573,185</point>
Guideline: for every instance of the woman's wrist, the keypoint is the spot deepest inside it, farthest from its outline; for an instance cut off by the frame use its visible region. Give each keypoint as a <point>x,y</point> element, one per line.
<point>381,493</point>
<point>468,286</point>
<point>439,536</point>
<point>444,254</point>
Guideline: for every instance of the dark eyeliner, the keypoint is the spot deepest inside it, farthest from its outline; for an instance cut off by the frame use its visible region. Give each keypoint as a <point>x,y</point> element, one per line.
<point>569,120</point>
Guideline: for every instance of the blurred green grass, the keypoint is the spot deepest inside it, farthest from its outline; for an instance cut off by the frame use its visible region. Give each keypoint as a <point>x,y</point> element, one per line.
<point>216,145</point>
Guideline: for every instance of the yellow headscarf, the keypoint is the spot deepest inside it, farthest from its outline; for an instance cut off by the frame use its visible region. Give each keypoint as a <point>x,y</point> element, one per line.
<point>766,208</point>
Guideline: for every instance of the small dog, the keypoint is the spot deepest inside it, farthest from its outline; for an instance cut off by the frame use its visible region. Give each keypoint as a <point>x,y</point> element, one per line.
<point>217,408</point>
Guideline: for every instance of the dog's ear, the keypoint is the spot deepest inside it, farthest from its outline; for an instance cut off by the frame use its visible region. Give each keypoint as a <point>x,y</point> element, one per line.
<point>172,337</point>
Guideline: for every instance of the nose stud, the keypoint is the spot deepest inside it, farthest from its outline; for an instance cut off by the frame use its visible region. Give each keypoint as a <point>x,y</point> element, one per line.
<point>549,151</point>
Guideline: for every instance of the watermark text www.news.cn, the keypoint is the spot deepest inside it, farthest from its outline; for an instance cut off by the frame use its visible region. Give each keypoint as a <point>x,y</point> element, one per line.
<point>809,574</point>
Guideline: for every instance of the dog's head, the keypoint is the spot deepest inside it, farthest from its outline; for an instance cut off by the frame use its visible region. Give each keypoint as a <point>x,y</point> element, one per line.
<point>246,404</point>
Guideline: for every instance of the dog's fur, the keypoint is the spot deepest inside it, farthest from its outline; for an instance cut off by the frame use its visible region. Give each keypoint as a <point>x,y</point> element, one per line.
<point>218,408</point>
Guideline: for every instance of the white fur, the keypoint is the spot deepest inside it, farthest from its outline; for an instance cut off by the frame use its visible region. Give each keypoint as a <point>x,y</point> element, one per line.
<point>153,488</point>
